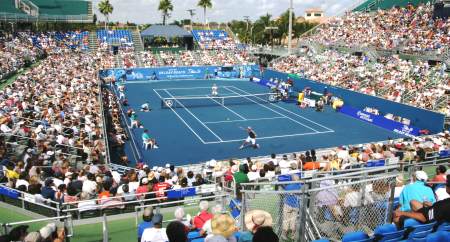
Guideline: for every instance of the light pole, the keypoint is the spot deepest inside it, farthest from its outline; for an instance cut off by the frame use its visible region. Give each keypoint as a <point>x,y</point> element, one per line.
<point>271,33</point>
<point>191,13</point>
<point>246,18</point>
<point>290,28</point>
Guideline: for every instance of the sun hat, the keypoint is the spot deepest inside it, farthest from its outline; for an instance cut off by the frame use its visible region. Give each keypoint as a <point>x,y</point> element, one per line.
<point>257,218</point>
<point>223,224</point>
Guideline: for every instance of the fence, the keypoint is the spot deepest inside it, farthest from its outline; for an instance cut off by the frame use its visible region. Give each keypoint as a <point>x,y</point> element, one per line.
<point>324,207</point>
<point>221,198</point>
<point>67,221</point>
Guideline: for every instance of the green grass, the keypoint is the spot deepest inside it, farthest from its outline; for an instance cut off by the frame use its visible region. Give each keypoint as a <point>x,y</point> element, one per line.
<point>119,230</point>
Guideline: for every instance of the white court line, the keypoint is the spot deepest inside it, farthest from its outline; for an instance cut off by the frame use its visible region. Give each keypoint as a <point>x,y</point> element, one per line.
<point>229,109</point>
<point>306,126</point>
<point>269,137</point>
<point>182,120</point>
<point>186,88</point>
<point>204,125</point>
<point>183,80</point>
<point>288,111</point>
<point>238,120</point>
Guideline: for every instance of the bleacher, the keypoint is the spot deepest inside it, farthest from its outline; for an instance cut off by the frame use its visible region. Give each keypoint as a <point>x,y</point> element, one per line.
<point>75,39</point>
<point>205,38</point>
<point>372,5</point>
<point>120,36</point>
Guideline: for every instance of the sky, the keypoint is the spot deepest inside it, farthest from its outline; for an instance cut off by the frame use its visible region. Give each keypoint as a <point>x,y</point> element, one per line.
<point>145,11</point>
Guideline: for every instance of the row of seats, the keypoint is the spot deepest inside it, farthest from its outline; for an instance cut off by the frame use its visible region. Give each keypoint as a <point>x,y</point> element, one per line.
<point>412,231</point>
<point>111,36</point>
<point>202,35</point>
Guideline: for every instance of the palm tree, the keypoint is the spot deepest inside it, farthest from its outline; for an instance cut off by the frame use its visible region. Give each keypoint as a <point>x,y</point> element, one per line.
<point>165,6</point>
<point>106,9</point>
<point>204,4</point>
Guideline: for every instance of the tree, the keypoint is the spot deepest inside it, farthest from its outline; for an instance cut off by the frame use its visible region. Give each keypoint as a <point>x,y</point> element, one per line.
<point>106,9</point>
<point>204,4</point>
<point>165,6</point>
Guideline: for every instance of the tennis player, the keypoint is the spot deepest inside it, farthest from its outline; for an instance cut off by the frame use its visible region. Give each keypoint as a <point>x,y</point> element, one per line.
<point>214,90</point>
<point>251,139</point>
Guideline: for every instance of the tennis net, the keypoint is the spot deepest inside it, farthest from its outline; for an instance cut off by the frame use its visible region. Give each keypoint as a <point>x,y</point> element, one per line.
<point>185,102</point>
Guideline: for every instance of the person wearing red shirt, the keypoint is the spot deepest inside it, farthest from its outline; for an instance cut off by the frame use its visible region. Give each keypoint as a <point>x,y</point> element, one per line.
<point>142,188</point>
<point>203,216</point>
<point>161,186</point>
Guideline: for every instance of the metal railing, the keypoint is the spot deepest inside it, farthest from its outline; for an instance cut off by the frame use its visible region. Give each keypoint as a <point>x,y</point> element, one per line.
<point>68,224</point>
<point>138,209</point>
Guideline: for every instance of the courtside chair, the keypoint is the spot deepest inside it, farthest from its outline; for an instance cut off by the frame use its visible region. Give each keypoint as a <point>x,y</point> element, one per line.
<point>444,227</point>
<point>388,233</point>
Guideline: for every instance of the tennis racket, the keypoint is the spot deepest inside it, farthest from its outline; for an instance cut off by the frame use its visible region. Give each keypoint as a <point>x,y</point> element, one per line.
<point>242,128</point>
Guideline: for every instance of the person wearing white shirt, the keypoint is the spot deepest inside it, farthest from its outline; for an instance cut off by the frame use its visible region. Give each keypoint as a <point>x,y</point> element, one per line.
<point>253,174</point>
<point>156,233</point>
<point>284,165</point>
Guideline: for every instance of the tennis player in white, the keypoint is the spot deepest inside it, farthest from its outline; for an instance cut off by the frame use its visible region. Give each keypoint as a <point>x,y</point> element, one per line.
<point>251,139</point>
<point>214,90</point>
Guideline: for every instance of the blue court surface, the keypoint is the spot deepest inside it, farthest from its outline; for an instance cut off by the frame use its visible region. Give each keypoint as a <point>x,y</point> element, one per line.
<point>199,128</point>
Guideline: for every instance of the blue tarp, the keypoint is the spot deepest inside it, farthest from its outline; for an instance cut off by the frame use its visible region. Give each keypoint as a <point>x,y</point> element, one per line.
<point>167,31</point>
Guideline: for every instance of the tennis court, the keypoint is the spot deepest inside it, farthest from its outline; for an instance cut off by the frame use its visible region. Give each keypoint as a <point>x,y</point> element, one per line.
<point>185,117</point>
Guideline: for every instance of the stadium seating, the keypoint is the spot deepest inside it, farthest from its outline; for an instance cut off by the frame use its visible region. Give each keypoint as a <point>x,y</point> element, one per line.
<point>213,39</point>
<point>114,36</point>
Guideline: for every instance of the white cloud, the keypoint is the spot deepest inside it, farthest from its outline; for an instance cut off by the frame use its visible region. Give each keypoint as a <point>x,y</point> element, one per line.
<point>145,11</point>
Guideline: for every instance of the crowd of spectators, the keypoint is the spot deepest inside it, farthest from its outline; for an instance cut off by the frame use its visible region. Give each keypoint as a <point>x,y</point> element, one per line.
<point>52,232</point>
<point>395,79</point>
<point>215,40</point>
<point>408,28</point>
<point>15,52</point>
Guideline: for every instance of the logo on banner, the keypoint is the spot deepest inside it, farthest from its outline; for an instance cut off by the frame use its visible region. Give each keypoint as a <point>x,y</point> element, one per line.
<point>364,116</point>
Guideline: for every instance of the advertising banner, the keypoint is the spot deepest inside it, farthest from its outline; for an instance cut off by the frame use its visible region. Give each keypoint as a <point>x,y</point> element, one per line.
<point>380,121</point>
<point>182,72</point>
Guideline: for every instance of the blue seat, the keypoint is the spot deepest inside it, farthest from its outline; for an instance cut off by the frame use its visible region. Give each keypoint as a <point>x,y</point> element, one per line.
<point>439,236</point>
<point>411,223</point>
<point>385,228</point>
<point>355,236</point>
<point>198,240</point>
<point>419,232</point>
<point>193,235</point>
<point>444,227</point>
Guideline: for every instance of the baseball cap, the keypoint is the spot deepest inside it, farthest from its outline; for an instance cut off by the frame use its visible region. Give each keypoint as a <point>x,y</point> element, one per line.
<point>421,175</point>
<point>157,219</point>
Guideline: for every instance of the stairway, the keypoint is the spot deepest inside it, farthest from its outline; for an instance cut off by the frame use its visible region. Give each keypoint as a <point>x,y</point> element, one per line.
<point>90,12</point>
<point>93,45</point>
<point>137,41</point>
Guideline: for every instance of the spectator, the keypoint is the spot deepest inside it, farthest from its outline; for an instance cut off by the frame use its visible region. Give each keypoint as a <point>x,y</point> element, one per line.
<point>416,191</point>
<point>48,191</point>
<point>439,211</point>
<point>255,219</point>
<point>223,227</point>
<point>203,215</point>
<point>207,229</point>
<point>146,223</point>
<point>265,234</point>
<point>179,216</point>
<point>440,174</point>
<point>291,208</point>
<point>155,233</point>
<point>176,232</point>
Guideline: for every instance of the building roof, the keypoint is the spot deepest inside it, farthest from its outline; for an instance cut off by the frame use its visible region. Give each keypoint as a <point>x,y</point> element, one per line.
<point>314,10</point>
<point>167,31</point>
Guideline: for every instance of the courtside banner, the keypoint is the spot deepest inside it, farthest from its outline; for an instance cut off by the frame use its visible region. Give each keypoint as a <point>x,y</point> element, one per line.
<point>182,72</point>
<point>380,121</point>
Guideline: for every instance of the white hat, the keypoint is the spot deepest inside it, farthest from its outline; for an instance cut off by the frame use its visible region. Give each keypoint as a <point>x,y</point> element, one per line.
<point>167,165</point>
<point>50,153</point>
<point>212,162</point>
<point>145,166</point>
<point>144,181</point>
<point>154,168</point>
<point>421,175</point>
<point>160,169</point>
<point>68,174</point>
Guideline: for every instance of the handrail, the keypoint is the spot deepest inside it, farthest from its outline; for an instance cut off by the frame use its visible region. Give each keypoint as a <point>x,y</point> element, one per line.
<point>104,131</point>
<point>140,194</point>
<point>137,208</point>
<point>58,218</point>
